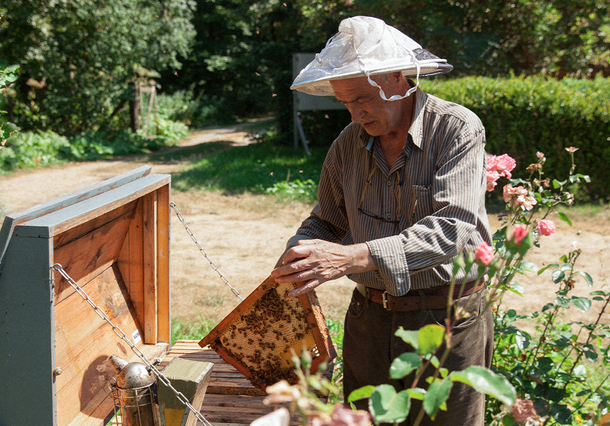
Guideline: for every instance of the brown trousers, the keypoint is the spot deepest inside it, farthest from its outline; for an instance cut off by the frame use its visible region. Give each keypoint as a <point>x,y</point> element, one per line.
<point>369,346</point>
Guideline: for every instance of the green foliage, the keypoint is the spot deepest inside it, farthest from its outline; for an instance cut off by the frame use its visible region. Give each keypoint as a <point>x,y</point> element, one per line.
<point>548,367</point>
<point>77,58</point>
<point>40,149</point>
<point>33,149</point>
<point>523,115</point>
<point>8,74</point>
<point>336,332</point>
<point>552,366</point>
<point>195,111</point>
<point>190,330</point>
<point>242,54</point>
<point>296,190</point>
<point>492,38</point>
<point>322,127</point>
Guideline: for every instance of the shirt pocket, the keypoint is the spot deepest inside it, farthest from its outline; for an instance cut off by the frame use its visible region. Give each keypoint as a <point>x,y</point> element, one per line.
<point>421,204</point>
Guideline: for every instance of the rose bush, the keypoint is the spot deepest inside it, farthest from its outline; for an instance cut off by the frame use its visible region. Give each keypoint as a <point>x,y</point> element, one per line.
<point>538,377</point>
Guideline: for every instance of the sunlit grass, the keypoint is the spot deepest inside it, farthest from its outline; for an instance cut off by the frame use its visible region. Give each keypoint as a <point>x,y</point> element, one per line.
<point>191,329</point>
<point>253,169</point>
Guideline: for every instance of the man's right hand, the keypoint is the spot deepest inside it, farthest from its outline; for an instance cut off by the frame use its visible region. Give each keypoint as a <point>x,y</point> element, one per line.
<point>314,262</point>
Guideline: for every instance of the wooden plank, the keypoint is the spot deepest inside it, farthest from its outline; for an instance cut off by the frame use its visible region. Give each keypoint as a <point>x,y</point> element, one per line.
<point>55,204</point>
<point>163,271</point>
<point>149,252</point>
<point>131,265</point>
<point>77,214</point>
<point>70,235</point>
<point>191,378</point>
<point>315,319</point>
<point>90,254</point>
<point>221,406</point>
<point>84,342</point>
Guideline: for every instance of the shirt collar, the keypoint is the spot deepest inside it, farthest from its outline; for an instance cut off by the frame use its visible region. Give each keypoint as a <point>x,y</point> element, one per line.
<point>417,125</point>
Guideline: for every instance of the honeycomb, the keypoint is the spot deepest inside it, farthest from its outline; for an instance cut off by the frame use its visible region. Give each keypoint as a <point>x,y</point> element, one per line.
<point>257,337</point>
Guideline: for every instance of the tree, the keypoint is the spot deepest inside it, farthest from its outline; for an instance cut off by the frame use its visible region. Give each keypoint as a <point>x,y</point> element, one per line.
<point>554,37</point>
<point>77,58</point>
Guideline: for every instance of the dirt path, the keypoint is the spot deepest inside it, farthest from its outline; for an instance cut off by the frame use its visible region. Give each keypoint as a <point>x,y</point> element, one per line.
<point>244,235</point>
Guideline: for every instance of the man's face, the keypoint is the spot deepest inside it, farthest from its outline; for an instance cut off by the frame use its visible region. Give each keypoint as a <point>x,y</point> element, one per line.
<point>378,117</point>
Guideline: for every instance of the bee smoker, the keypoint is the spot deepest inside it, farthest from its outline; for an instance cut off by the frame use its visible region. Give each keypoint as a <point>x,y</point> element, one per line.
<point>134,394</point>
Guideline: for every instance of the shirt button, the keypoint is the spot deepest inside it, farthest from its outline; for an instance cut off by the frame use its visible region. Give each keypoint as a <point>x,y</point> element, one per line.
<point>389,183</point>
<point>388,216</point>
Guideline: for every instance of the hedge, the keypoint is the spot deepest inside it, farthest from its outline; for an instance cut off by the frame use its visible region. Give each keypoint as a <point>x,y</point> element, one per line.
<point>525,115</point>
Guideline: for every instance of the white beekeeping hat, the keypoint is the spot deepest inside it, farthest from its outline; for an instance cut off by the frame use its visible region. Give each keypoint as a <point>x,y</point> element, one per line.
<point>366,46</point>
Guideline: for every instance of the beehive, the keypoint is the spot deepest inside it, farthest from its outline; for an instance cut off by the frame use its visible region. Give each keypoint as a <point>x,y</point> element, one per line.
<point>258,336</point>
<point>113,239</point>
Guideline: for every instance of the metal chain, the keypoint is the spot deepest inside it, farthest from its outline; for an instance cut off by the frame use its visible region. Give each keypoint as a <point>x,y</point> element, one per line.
<point>121,335</point>
<point>188,231</point>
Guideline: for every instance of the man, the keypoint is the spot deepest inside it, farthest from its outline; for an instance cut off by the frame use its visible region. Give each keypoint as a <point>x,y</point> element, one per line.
<point>401,194</point>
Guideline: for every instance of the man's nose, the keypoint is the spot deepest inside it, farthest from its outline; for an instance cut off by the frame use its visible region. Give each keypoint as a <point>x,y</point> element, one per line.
<point>356,111</point>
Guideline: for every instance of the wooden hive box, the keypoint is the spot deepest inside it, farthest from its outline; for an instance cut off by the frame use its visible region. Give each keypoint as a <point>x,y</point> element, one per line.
<point>258,338</point>
<point>113,240</point>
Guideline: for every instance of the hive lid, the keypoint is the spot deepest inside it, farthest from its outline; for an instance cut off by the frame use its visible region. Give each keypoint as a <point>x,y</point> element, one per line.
<point>257,336</point>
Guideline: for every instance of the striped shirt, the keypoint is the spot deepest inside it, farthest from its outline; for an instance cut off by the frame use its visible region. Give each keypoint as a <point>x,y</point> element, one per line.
<point>417,216</point>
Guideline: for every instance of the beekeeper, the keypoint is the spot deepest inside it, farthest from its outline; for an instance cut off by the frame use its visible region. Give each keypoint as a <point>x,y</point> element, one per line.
<point>402,192</point>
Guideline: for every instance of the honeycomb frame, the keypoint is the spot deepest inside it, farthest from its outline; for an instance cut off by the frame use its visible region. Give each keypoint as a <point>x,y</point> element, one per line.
<point>256,337</point>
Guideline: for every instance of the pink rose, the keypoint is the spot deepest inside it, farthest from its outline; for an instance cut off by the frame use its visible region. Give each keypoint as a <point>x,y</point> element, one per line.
<point>519,233</point>
<point>505,164</point>
<point>342,416</point>
<point>546,227</point>
<point>498,166</point>
<point>491,162</point>
<point>523,409</point>
<point>492,177</point>
<point>281,392</point>
<point>525,202</point>
<point>484,254</point>
<point>518,197</point>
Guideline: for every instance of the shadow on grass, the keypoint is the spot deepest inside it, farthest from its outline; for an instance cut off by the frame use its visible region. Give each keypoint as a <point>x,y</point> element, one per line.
<point>190,153</point>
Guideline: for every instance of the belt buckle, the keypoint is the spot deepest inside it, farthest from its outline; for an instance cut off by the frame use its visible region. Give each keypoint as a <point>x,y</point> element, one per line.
<point>384,299</point>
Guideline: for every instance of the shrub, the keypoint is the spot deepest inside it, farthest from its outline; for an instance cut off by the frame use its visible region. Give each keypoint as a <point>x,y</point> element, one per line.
<point>33,149</point>
<point>525,115</point>
<point>193,111</point>
<point>41,149</point>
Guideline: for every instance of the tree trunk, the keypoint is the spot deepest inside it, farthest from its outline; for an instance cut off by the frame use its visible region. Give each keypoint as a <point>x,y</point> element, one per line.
<point>134,105</point>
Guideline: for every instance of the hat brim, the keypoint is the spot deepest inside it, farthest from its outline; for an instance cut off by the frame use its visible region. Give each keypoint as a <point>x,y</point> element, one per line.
<point>322,87</point>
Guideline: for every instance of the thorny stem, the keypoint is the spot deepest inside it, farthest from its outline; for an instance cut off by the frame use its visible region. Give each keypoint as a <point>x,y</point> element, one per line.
<point>580,353</point>
<point>549,321</point>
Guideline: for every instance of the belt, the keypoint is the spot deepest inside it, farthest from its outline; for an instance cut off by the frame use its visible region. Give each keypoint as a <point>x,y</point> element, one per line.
<point>433,298</point>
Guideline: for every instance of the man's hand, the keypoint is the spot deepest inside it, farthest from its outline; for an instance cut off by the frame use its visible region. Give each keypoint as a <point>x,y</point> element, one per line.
<point>314,262</point>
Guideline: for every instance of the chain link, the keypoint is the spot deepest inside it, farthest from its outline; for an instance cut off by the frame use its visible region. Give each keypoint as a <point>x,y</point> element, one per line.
<point>188,231</point>
<point>121,335</point>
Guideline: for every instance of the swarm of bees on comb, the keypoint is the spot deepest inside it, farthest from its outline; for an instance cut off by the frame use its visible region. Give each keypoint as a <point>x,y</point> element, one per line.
<point>258,337</point>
